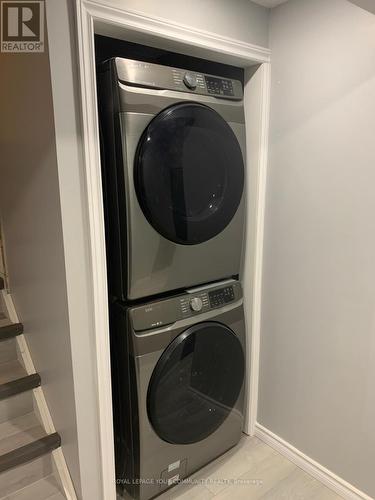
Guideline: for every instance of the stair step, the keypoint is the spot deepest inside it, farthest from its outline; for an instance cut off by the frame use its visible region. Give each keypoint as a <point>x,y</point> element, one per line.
<point>10,330</point>
<point>26,463</point>
<point>19,432</point>
<point>44,489</point>
<point>13,480</point>
<point>19,385</point>
<point>29,451</point>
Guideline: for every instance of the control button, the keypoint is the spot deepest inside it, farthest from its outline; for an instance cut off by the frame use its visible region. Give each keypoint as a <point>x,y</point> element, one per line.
<point>190,81</point>
<point>196,304</point>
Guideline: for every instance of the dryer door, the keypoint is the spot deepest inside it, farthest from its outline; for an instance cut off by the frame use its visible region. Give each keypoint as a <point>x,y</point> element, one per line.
<point>189,173</point>
<point>196,383</point>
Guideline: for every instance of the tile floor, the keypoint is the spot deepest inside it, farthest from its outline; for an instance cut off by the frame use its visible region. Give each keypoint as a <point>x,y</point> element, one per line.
<point>250,471</point>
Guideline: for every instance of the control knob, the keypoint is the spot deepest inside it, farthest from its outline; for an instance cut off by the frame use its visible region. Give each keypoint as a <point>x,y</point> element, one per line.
<point>196,304</point>
<point>190,81</point>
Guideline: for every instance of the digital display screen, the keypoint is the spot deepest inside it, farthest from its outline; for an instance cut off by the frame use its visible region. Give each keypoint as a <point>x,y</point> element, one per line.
<point>219,86</point>
<point>221,296</point>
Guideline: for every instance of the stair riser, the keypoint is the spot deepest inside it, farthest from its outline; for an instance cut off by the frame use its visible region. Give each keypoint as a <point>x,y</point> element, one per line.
<point>16,406</point>
<point>23,475</point>
<point>16,440</point>
<point>4,320</point>
<point>46,489</point>
<point>8,350</point>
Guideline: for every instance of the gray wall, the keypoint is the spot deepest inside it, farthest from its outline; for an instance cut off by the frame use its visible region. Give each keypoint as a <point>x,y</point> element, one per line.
<point>76,239</point>
<point>30,210</point>
<point>318,318</point>
<point>240,19</point>
<point>52,300</point>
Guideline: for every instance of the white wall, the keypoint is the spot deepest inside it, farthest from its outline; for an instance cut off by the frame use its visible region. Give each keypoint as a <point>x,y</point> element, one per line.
<point>30,210</point>
<point>318,319</point>
<point>240,19</point>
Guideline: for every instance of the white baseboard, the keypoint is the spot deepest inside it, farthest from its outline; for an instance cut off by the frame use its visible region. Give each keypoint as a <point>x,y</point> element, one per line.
<point>40,403</point>
<point>325,476</point>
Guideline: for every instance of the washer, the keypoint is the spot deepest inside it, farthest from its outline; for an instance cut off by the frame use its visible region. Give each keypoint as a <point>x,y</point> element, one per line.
<point>178,368</point>
<point>173,148</point>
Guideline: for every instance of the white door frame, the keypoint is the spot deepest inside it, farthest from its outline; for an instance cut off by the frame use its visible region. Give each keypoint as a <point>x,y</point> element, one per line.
<point>93,17</point>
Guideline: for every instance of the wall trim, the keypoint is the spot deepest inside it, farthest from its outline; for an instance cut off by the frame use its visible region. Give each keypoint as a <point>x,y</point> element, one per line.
<point>94,17</point>
<point>40,403</point>
<point>130,20</point>
<point>256,284</point>
<point>318,471</point>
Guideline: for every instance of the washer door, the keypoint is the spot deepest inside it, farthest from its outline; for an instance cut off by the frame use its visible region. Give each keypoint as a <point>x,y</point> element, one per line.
<point>196,383</point>
<point>189,173</point>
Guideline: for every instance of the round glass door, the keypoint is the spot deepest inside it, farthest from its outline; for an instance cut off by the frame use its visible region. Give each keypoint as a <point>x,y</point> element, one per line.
<point>196,383</point>
<point>189,173</point>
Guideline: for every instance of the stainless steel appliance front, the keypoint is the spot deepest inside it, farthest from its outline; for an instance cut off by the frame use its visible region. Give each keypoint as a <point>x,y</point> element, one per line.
<point>173,171</point>
<point>178,385</point>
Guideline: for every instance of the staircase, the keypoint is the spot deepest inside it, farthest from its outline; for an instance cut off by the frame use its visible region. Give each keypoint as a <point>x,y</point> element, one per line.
<point>28,469</point>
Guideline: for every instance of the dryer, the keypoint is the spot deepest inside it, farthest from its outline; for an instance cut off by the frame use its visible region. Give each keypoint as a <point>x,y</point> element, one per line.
<point>178,368</point>
<point>173,149</point>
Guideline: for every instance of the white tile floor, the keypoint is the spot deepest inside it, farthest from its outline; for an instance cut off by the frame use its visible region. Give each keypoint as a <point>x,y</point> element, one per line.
<point>250,471</point>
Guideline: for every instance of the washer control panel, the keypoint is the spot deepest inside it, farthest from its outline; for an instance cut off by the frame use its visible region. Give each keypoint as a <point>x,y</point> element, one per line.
<point>206,300</point>
<point>194,302</point>
<point>221,296</point>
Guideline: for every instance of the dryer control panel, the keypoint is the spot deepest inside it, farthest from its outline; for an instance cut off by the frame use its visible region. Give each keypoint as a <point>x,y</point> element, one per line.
<point>150,75</point>
<point>193,303</point>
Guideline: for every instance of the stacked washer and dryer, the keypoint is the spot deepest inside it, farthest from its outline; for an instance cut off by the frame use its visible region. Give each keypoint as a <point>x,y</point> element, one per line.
<point>173,148</point>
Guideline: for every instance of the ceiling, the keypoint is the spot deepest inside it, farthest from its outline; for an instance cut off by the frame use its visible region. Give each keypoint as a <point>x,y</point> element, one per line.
<point>269,3</point>
<point>365,4</point>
